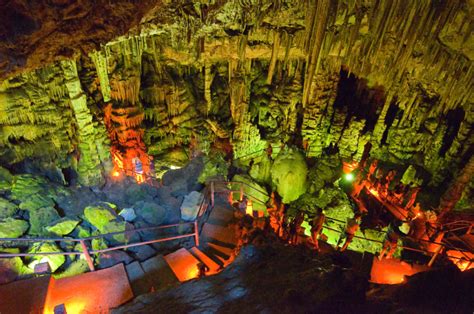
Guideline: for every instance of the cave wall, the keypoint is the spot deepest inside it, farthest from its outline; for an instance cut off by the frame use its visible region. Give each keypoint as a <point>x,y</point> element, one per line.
<point>397,74</point>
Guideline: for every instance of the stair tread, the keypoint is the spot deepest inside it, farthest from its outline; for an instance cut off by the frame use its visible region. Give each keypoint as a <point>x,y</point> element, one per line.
<point>138,279</point>
<point>222,249</point>
<point>183,264</point>
<point>158,272</point>
<point>220,233</point>
<point>211,265</point>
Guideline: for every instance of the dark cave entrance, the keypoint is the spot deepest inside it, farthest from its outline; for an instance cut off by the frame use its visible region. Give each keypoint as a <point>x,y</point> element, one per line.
<point>358,100</point>
<point>454,119</point>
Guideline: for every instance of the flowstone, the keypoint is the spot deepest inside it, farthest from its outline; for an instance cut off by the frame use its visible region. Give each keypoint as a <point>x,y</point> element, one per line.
<point>289,173</point>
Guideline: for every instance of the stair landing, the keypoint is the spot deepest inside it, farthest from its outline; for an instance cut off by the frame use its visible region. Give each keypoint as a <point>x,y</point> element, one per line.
<point>184,265</point>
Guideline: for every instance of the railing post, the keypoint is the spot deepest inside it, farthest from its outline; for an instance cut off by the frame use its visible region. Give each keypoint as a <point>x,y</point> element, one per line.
<point>241,192</point>
<point>87,255</point>
<point>212,193</point>
<point>430,263</point>
<point>196,233</point>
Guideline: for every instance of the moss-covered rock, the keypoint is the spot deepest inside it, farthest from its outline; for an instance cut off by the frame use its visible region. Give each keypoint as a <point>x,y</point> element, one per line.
<point>63,226</point>
<point>54,261</point>
<point>7,208</point>
<point>36,201</point>
<point>5,179</point>
<point>41,218</point>
<point>116,226</point>
<point>253,190</point>
<point>289,173</point>
<point>98,216</point>
<point>25,185</point>
<point>12,228</point>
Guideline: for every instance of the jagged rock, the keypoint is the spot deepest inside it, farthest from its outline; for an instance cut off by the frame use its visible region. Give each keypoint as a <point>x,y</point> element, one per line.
<point>109,259</point>
<point>150,212</point>
<point>63,226</point>
<point>7,209</point>
<point>191,205</point>
<point>98,216</point>
<point>115,226</point>
<point>289,173</point>
<point>41,218</point>
<point>54,261</point>
<point>12,228</point>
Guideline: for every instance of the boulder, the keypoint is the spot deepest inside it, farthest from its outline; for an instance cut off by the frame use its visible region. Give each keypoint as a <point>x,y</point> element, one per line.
<point>33,202</point>
<point>116,226</point>
<point>190,207</point>
<point>289,173</point>
<point>63,226</point>
<point>98,216</point>
<point>11,268</point>
<point>54,261</point>
<point>25,185</point>
<point>109,259</point>
<point>7,209</point>
<point>12,228</point>
<point>128,214</point>
<point>150,212</point>
<point>5,179</point>
<point>142,253</point>
<point>41,218</point>
<point>184,180</point>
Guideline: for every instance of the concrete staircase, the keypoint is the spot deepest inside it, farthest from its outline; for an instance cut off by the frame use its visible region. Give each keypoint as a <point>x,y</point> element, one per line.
<point>218,243</point>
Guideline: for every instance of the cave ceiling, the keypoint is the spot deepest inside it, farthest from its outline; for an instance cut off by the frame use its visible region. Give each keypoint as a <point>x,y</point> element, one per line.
<point>84,79</point>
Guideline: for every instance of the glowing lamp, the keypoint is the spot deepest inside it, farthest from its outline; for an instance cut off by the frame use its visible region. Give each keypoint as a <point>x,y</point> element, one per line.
<point>349,177</point>
<point>116,173</point>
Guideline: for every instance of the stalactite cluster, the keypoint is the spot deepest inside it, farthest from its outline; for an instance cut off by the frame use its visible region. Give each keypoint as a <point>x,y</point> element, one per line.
<point>332,74</point>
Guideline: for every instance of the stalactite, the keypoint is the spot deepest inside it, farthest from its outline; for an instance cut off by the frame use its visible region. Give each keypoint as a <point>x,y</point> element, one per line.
<point>100,62</point>
<point>273,60</point>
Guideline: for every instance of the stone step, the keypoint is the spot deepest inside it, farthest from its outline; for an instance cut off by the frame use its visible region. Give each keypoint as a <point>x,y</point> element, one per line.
<point>225,235</point>
<point>138,279</point>
<point>158,273</point>
<point>222,212</point>
<point>183,264</point>
<point>221,252</point>
<point>213,267</point>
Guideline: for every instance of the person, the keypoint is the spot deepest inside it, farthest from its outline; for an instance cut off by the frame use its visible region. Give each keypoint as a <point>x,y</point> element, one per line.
<point>390,242</point>
<point>352,226</point>
<point>317,227</point>
<point>372,168</point>
<point>295,227</point>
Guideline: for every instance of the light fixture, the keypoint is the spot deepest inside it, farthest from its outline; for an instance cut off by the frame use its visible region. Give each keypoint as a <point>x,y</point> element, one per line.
<point>349,177</point>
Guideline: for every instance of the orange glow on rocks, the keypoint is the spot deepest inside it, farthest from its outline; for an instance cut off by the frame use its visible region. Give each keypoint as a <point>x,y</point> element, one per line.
<point>393,271</point>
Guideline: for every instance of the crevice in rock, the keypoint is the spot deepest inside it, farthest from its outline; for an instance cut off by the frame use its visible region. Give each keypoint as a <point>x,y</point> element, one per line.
<point>453,121</point>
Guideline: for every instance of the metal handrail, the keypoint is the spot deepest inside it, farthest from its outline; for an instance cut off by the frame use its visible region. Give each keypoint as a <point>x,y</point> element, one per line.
<point>86,252</point>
